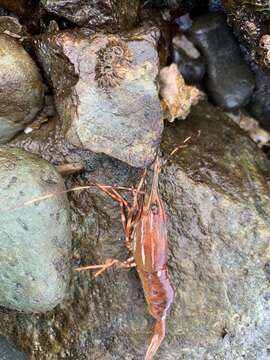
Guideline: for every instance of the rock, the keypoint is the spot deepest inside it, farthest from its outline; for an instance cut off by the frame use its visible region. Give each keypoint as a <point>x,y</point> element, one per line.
<point>217,203</point>
<point>249,20</point>
<point>190,62</point>
<point>176,97</point>
<point>229,80</point>
<point>260,136</point>
<point>259,106</point>
<point>35,238</point>
<point>21,88</point>
<point>9,352</point>
<point>105,90</point>
<point>110,14</point>
<point>10,25</point>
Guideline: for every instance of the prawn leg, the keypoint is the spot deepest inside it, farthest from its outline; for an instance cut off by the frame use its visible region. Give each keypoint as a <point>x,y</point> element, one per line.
<point>129,263</point>
<point>127,211</point>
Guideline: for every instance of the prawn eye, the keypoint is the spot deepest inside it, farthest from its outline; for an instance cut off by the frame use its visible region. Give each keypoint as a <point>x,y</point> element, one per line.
<point>154,209</point>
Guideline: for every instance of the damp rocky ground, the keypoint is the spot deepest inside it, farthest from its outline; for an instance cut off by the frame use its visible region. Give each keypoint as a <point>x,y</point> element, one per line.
<point>91,92</point>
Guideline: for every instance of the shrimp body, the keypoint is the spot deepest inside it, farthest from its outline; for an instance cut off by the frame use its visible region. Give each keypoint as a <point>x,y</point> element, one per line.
<point>150,245</point>
<point>145,231</point>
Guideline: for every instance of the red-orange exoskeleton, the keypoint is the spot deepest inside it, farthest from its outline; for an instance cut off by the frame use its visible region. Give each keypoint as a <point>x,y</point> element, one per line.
<point>145,231</point>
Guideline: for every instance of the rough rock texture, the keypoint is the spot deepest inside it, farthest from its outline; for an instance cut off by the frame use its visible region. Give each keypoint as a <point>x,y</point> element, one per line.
<point>229,80</point>
<point>217,204</point>
<point>105,91</point>
<point>259,105</point>
<point>11,25</point>
<point>21,88</point>
<point>35,239</point>
<point>96,14</point>
<point>250,22</point>
<point>9,352</point>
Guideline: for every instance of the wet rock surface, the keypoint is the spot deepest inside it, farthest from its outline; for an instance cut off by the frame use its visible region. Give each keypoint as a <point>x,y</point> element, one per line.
<point>229,80</point>
<point>35,238</point>
<point>9,352</point>
<point>21,88</point>
<point>105,90</point>
<point>96,14</point>
<point>259,105</point>
<point>217,204</point>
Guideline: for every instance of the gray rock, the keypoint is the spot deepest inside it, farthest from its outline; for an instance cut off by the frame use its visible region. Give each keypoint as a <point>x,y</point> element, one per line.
<point>229,80</point>
<point>111,14</point>
<point>259,106</point>
<point>190,62</point>
<point>11,25</point>
<point>9,352</point>
<point>35,238</point>
<point>217,204</point>
<point>21,88</point>
<point>105,89</point>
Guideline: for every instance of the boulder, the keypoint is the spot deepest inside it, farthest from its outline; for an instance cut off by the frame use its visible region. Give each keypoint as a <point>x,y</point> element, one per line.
<point>35,237</point>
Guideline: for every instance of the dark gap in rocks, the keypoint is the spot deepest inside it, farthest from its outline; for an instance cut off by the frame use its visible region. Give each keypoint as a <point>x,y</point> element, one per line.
<point>62,22</point>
